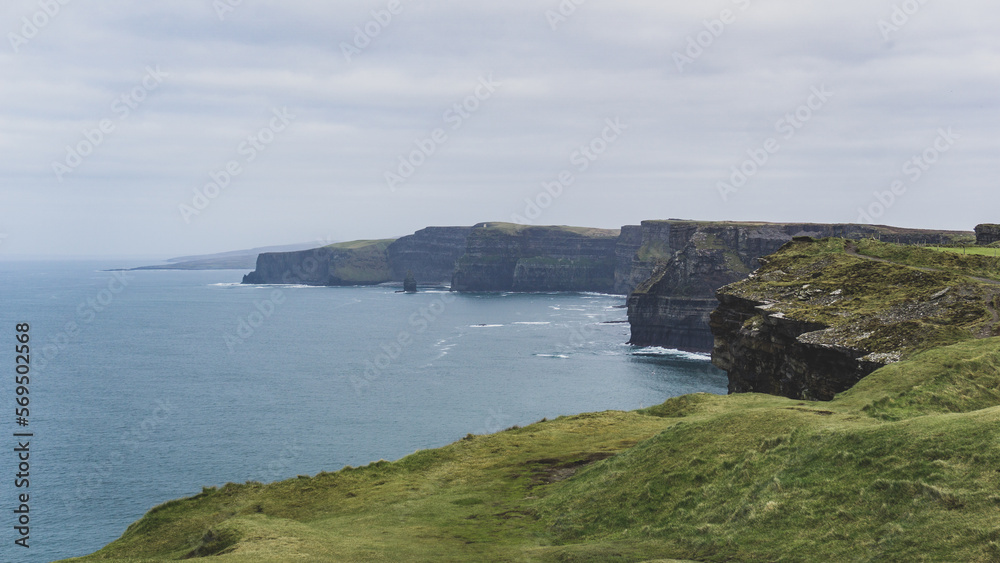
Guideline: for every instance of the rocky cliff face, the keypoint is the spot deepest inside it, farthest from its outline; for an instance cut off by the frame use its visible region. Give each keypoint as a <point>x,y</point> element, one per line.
<point>820,315</point>
<point>987,234</point>
<point>506,257</point>
<point>355,263</point>
<point>689,260</point>
<point>628,272</point>
<point>429,253</point>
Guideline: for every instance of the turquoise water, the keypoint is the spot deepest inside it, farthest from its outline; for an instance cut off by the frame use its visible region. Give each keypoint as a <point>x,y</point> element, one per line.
<point>149,385</point>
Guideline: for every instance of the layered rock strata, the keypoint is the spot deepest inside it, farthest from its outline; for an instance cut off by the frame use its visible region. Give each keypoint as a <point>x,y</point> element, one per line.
<point>987,234</point>
<point>507,257</point>
<point>689,260</point>
<point>820,315</point>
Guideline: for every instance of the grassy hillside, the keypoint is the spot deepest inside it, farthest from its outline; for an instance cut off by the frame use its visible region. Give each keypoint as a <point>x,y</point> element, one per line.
<point>903,467</point>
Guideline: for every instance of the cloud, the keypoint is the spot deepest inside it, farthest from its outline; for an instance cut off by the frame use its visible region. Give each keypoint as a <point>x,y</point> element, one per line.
<point>325,175</point>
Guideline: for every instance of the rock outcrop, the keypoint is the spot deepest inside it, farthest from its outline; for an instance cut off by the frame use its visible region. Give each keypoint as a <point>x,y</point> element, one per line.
<point>687,261</point>
<point>410,283</point>
<point>987,234</point>
<point>820,315</point>
<point>508,257</point>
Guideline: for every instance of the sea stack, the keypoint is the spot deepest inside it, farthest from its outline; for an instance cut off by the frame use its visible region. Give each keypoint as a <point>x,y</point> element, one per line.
<point>410,283</point>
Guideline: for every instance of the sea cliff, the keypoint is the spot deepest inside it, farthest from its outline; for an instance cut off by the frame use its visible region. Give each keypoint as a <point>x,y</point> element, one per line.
<point>362,262</point>
<point>508,257</point>
<point>818,316</point>
<point>429,253</point>
<point>688,260</point>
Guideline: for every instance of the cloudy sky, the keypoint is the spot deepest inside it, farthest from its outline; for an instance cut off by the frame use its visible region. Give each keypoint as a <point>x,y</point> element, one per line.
<point>194,126</point>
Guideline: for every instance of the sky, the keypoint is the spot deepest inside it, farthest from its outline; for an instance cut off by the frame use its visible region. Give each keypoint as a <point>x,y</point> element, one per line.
<point>198,126</point>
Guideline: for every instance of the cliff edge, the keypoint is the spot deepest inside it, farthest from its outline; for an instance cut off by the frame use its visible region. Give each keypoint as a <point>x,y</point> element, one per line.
<point>683,263</point>
<point>362,262</point>
<point>818,316</point>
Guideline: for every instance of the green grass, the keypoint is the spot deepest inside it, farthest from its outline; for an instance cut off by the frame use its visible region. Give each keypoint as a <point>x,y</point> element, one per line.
<point>919,299</point>
<point>362,244</point>
<point>361,261</point>
<point>900,468</point>
<point>973,250</point>
<point>516,229</point>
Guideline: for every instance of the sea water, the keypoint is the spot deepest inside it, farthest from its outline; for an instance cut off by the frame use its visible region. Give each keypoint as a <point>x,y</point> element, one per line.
<point>146,386</point>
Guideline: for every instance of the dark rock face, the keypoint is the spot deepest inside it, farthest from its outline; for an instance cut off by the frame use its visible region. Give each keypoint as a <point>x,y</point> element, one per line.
<point>689,260</point>
<point>987,234</point>
<point>819,316</point>
<point>508,258</point>
<point>770,356</point>
<point>429,253</point>
<point>629,273</point>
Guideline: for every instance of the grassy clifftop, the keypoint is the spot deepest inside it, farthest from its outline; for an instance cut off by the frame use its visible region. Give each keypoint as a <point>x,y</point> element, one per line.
<point>515,229</point>
<point>879,297</point>
<point>900,468</point>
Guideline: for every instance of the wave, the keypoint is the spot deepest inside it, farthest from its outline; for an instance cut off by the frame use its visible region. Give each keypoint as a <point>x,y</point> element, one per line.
<point>656,351</point>
<point>484,326</point>
<point>533,323</point>
<point>229,284</point>
<point>560,356</point>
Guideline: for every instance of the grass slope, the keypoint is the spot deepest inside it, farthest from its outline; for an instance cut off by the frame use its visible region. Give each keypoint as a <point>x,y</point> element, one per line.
<point>977,250</point>
<point>903,467</point>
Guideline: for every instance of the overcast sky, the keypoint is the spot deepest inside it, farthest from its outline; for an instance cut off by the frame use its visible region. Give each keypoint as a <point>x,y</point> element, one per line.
<point>317,108</point>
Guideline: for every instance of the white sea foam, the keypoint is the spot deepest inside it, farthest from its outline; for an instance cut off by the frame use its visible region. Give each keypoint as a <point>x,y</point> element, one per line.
<point>672,353</point>
<point>560,356</point>
<point>484,326</point>
<point>532,323</point>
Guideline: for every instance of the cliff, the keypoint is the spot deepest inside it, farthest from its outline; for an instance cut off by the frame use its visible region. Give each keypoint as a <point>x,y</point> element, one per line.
<point>429,253</point>
<point>362,262</point>
<point>687,261</point>
<point>508,257</point>
<point>987,234</point>
<point>818,316</point>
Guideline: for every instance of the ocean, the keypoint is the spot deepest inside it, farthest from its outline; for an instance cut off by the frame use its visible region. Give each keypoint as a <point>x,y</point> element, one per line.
<point>147,386</point>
